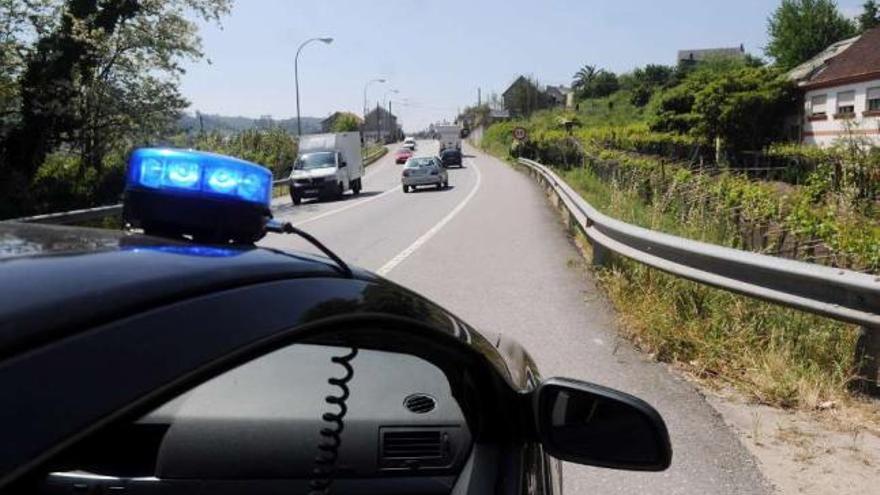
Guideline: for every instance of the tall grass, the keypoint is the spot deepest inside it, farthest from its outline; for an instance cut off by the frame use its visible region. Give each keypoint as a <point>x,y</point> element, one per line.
<point>778,356</point>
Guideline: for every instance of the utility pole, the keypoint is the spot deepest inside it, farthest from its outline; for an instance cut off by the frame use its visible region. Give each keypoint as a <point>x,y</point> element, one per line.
<point>479,97</point>
<point>378,123</point>
<point>391,122</point>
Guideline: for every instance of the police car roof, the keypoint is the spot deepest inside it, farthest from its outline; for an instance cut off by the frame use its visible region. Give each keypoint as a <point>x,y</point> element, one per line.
<point>54,277</point>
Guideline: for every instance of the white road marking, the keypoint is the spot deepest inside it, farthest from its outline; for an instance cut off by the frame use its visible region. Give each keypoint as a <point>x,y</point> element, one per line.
<point>346,207</point>
<point>387,267</point>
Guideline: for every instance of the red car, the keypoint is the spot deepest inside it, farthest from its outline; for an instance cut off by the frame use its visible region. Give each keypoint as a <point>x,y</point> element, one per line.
<point>402,155</point>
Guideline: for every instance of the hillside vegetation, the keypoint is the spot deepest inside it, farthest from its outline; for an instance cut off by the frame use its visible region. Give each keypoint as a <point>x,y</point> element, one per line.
<point>678,155</point>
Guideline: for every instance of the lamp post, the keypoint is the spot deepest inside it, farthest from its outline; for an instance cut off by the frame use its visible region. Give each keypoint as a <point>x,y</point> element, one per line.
<point>326,41</point>
<point>371,81</point>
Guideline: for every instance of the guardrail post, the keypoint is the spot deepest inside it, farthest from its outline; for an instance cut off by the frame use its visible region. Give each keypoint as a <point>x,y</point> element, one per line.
<point>572,224</point>
<point>868,359</point>
<point>601,255</point>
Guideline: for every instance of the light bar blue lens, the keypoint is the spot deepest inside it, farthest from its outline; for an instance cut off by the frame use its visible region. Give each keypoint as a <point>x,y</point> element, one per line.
<point>200,251</point>
<point>199,173</point>
<point>182,174</point>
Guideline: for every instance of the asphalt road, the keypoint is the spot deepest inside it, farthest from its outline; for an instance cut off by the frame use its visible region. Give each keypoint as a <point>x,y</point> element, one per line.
<point>491,250</point>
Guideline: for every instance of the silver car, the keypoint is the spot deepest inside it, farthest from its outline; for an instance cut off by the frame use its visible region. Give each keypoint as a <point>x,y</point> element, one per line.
<point>424,171</point>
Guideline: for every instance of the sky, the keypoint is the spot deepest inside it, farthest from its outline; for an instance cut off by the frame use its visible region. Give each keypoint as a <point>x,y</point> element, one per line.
<point>437,53</point>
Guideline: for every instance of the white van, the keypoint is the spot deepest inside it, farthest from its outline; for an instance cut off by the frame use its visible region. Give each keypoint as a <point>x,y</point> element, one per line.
<point>410,143</point>
<point>327,165</point>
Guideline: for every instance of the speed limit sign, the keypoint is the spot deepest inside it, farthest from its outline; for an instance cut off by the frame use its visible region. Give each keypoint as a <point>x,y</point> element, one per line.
<point>519,133</point>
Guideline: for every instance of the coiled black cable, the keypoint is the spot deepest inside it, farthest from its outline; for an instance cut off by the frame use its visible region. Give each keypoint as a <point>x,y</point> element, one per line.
<point>325,461</point>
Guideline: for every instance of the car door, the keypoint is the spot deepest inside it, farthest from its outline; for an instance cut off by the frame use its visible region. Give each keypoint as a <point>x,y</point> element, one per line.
<point>344,175</point>
<point>118,371</point>
<point>130,362</point>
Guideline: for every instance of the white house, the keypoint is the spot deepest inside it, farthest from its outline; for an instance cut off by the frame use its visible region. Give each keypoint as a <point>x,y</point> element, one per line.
<point>842,92</point>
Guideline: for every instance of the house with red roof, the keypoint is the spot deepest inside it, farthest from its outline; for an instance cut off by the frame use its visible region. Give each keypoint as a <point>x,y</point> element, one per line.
<point>841,90</point>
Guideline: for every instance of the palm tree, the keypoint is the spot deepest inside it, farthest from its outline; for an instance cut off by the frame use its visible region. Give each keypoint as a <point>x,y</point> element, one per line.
<point>584,76</point>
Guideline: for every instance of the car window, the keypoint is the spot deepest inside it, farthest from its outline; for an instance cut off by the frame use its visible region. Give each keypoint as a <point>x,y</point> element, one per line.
<point>419,162</point>
<point>268,420</point>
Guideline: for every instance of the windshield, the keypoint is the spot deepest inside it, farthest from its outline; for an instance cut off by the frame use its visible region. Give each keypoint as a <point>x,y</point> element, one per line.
<point>751,128</point>
<point>419,162</point>
<point>311,161</point>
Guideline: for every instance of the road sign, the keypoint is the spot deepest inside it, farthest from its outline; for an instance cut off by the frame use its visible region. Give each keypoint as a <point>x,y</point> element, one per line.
<point>519,133</point>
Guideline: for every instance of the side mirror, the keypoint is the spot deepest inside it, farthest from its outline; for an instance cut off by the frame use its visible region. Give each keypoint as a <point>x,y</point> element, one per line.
<point>342,164</point>
<point>597,426</point>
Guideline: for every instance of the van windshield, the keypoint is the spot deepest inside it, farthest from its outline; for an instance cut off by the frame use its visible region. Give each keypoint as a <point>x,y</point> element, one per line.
<point>310,161</point>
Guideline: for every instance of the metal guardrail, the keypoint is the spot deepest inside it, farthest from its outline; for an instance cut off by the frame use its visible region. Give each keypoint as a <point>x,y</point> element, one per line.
<point>74,217</point>
<point>836,293</point>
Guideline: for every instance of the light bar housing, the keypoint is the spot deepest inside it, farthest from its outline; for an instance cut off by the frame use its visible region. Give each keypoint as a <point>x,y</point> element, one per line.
<point>209,197</point>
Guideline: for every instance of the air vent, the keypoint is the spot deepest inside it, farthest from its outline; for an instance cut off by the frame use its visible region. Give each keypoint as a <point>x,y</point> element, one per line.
<point>416,445</point>
<point>433,448</point>
<point>420,403</point>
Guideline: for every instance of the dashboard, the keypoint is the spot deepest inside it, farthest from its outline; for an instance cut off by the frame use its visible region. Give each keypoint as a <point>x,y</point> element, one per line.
<point>258,428</point>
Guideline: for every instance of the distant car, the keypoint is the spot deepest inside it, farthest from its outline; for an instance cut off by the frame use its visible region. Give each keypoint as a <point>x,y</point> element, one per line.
<point>410,142</point>
<point>451,157</point>
<point>424,171</point>
<point>402,155</point>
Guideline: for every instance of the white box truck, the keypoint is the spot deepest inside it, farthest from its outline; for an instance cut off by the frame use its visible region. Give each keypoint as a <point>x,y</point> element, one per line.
<point>448,135</point>
<point>327,165</point>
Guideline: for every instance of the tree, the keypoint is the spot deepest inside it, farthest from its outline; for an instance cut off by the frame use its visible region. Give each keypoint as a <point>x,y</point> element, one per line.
<point>605,84</point>
<point>645,82</point>
<point>590,82</point>
<point>346,122</point>
<point>101,75</point>
<point>583,77</point>
<point>870,17</point>
<point>744,106</point>
<point>800,29</point>
<point>20,22</point>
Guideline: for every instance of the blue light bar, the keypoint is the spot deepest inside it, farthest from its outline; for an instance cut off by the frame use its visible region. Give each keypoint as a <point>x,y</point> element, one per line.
<point>198,173</point>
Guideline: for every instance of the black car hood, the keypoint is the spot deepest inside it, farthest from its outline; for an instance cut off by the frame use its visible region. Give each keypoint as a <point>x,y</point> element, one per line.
<point>55,278</point>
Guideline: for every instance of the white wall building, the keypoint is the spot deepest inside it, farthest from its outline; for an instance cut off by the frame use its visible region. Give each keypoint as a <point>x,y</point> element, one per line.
<point>846,110</point>
<point>842,92</point>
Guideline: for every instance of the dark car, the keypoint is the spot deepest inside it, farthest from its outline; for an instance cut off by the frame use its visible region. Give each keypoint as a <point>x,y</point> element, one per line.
<point>155,365</point>
<point>133,363</point>
<point>451,157</point>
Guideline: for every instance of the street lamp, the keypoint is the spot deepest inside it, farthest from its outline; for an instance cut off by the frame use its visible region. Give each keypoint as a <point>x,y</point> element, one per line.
<point>326,41</point>
<point>371,81</point>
